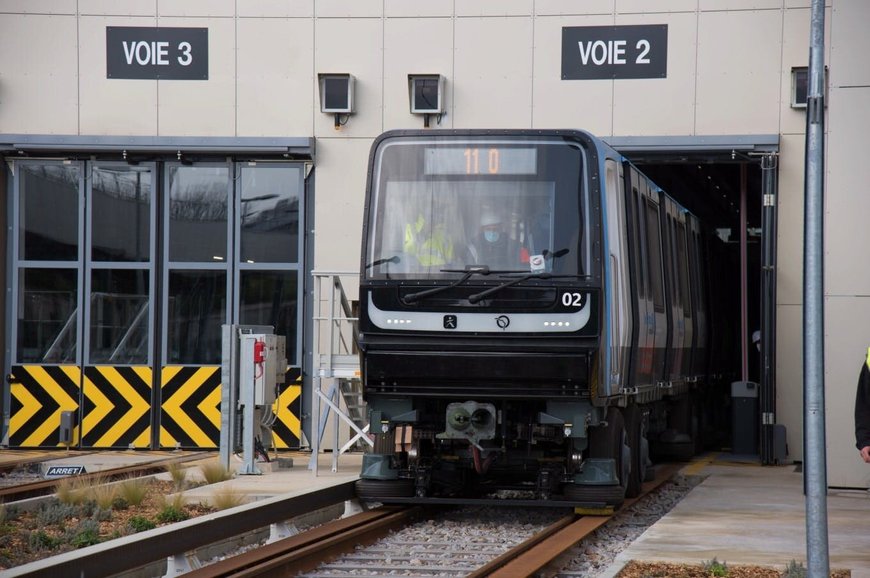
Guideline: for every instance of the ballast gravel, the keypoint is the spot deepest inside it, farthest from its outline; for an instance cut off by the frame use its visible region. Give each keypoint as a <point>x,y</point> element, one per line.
<point>467,538</point>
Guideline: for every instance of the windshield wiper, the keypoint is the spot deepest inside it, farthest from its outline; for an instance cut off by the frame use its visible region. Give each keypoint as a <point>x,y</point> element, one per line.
<point>393,259</point>
<point>547,254</point>
<point>477,297</point>
<point>468,273</point>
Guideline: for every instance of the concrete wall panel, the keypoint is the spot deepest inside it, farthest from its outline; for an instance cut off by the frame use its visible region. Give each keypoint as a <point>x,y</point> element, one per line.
<point>738,72</point>
<point>351,46</point>
<point>846,345</point>
<point>275,60</point>
<point>431,54</point>
<point>493,69</point>
<point>341,166</point>
<point>790,222</point>
<point>196,8</point>
<point>847,202</point>
<point>348,8</point>
<point>573,8</point>
<point>202,108</point>
<point>118,7</point>
<point>660,106</point>
<point>489,8</point>
<point>641,6</point>
<point>418,9</point>
<point>729,5</point>
<point>851,45</point>
<point>789,377</point>
<point>57,7</point>
<point>112,106</point>
<point>561,103</point>
<point>38,78</point>
<point>276,9</point>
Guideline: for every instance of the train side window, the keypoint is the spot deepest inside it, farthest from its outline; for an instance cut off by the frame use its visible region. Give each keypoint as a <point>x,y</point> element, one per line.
<point>671,265</point>
<point>654,244</point>
<point>634,225</point>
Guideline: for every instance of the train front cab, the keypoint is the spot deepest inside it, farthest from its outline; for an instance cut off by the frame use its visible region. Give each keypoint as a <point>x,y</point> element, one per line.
<point>638,374</point>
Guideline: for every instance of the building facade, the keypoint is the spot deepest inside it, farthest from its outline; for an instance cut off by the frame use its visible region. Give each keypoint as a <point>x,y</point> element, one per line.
<point>161,157</point>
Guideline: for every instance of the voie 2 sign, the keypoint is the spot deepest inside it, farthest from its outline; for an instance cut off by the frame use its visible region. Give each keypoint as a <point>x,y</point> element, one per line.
<point>609,52</point>
<point>157,53</point>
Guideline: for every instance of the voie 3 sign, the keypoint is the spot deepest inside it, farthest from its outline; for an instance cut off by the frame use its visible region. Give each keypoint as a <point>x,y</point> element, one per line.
<point>157,53</point>
<point>610,52</point>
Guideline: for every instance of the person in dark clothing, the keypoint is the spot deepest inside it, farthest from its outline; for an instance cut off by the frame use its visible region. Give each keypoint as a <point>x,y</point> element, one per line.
<point>862,411</point>
<point>493,246</point>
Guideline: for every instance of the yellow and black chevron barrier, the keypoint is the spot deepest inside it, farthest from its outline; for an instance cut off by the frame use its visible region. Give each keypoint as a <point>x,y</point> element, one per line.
<point>117,407</point>
<point>287,429</point>
<point>113,406</point>
<point>190,415</point>
<point>39,394</point>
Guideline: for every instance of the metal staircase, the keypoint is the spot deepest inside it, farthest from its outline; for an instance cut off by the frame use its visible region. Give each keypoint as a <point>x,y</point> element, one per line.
<point>334,339</point>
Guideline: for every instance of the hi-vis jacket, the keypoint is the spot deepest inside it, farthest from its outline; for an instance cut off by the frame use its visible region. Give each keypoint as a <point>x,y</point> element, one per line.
<point>862,406</point>
<point>434,249</point>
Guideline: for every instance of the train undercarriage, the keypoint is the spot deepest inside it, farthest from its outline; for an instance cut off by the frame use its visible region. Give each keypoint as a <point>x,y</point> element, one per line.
<point>535,451</point>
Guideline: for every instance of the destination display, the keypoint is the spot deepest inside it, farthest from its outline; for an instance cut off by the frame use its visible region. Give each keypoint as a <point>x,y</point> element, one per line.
<point>480,160</point>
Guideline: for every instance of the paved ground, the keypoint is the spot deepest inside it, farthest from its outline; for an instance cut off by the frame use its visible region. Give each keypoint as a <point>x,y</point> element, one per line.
<point>749,514</point>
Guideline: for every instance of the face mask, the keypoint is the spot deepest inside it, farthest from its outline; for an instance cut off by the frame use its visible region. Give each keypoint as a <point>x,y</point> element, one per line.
<point>491,236</point>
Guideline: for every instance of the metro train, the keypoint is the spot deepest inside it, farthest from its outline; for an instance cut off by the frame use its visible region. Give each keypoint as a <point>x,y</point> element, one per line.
<point>534,319</point>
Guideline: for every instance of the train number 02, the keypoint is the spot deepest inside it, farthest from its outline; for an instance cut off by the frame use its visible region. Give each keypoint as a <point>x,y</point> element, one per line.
<point>572,299</point>
<point>472,161</point>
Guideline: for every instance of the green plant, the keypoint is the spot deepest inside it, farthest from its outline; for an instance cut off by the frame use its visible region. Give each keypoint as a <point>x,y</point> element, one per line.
<point>716,568</point>
<point>140,524</point>
<point>86,534</point>
<point>133,490</point>
<point>794,570</point>
<point>56,513</point>
<point>173,510</point>
<point>214,472</point>
<point>170,513</point>
<point>39,540</point>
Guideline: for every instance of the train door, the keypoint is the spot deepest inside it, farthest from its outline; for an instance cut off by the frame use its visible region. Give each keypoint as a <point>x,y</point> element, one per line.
<point>653,239</point>
<point>676,326</point>
<point>643,342</point>
<point>618,282</point>
<point>697,267</point>
<point>682,255</point>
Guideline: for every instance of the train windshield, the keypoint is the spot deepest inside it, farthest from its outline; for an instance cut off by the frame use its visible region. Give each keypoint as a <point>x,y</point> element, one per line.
<point>443,205</point>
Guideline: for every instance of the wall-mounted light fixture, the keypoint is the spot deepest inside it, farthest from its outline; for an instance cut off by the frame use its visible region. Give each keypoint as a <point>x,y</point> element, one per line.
<point>426,92</point>
<point>336,96</point>
<point>799,87</point>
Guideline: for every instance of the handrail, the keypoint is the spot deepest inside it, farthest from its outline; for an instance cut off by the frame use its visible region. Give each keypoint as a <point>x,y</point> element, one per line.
<point>332,312</point>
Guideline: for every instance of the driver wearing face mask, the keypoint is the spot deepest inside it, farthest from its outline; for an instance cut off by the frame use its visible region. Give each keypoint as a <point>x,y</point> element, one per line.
<point>493,245</point>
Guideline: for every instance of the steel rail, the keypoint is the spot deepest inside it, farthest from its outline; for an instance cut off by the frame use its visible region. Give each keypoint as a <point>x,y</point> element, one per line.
<point>307,551</point>
<point>125,554</point>
<point>543,552</point>
<point>45,487</point>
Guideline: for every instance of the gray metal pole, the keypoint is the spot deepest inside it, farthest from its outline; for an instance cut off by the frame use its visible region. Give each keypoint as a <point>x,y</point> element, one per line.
<point>815,470</point>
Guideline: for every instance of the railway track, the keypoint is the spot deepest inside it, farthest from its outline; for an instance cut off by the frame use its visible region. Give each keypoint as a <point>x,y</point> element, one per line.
<point>39,488</point>
<point>357,545</point>
<point>521,549</point>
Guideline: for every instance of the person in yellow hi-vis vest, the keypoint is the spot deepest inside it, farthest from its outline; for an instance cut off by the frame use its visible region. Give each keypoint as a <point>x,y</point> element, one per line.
<point>432,246</point>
